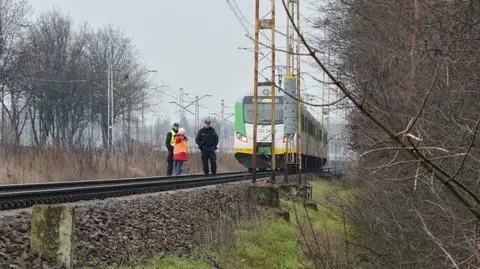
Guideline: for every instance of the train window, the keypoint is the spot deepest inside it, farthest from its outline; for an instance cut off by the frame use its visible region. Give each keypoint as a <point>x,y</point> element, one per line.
<point>264,113</point>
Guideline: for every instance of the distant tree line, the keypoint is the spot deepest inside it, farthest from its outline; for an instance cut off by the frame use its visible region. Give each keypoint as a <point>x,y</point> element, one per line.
<point>53,78</point>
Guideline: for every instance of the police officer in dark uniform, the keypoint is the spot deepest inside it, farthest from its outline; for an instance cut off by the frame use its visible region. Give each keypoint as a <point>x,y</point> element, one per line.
<point>207,141</point>
<point>169,141</point>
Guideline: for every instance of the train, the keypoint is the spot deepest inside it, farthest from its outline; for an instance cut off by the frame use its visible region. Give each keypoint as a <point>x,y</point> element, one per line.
<point>313,135</point>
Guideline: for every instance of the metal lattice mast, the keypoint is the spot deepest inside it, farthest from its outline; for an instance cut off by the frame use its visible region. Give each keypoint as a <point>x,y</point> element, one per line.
<point>299,90</point>
<point>293,91</point>
<point>263,24</point>
<point>273,89</point>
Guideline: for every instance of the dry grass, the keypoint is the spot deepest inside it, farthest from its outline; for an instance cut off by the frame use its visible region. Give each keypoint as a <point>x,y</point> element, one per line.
<point>28,165</point>
<point>323,233</point>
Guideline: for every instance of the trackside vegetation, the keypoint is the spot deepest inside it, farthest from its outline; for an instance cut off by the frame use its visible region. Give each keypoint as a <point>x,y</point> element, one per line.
<point>310,238</point>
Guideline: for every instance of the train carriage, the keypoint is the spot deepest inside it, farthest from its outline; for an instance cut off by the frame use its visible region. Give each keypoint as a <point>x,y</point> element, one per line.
<point>313,136</point>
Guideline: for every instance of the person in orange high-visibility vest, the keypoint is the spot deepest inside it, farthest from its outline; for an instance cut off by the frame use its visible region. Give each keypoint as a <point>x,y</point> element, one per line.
<point>180,151</point>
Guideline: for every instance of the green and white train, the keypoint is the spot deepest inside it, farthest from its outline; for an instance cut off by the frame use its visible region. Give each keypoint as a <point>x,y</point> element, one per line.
<point>313,136</point>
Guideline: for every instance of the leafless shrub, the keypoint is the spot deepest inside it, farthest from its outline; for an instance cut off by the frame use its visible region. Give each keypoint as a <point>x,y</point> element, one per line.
<point>412,69</point>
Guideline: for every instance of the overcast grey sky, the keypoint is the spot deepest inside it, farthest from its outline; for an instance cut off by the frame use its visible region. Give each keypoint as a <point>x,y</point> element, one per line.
<point>193,44</point>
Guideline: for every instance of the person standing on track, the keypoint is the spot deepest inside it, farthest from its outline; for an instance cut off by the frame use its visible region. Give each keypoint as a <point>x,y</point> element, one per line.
<point>207,141</point>
<point>180,151</point>
<point>169,142</point>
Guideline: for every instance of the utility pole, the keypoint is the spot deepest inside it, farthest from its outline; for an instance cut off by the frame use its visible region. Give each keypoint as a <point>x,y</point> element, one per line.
<point>272,79</point>
<point>112,110</point>
<point>326,24</point>
<point>3,117</point>
<point>129,120</point>
<point>110,113</point>
<point>180,109</point>
<point>263,24</point>
<point>222,125</point>
<point>181,104</point>
<point>197,125</point>
<point>91,122</point>
<point>255,90</point>
<point>197,114</point>
<point>143,118</point>
<point>137,131</point>
<point>298,95</point>
<point>108,105</point>
<point>3,104</point>
<point>293,89</point>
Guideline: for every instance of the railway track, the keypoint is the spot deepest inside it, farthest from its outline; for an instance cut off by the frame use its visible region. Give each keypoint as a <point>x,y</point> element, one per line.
<point>25,195</point>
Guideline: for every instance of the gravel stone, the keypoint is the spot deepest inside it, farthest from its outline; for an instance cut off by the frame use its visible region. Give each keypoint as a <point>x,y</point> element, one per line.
<point>124,230</point>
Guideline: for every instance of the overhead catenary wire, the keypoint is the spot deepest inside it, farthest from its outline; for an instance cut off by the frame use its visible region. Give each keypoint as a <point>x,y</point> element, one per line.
<point>200,106</point>
<point>238,14</point>
<point>244,21</point>
<point>303,101</point>
<point>241,19</point>
<point>300,100</point>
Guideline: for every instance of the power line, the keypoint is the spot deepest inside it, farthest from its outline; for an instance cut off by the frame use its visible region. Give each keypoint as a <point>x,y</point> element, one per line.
<point>200,106</point>
<point>244,21</point>
<point>239,15</point>
<point>300,100</point>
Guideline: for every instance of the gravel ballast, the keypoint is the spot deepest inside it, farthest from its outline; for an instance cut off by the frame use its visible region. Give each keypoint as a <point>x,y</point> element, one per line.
<point>127,230</point>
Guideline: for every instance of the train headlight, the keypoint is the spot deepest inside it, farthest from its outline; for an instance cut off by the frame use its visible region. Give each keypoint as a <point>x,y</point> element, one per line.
<point>241,137</point>
<point>285,139</point>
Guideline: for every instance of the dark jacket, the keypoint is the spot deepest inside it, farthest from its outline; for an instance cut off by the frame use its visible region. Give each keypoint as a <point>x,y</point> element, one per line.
<point>168,140</point>
<point>207,139</point>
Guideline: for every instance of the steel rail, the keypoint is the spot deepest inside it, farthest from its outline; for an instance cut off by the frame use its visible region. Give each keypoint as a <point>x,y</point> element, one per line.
<point>90,182</point>
<point>23,198</point>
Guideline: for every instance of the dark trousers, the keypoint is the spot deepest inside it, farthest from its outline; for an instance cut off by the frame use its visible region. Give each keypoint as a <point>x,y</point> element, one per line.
<point>170,163</point>
<point>209,156</point>
<point>178,167</point>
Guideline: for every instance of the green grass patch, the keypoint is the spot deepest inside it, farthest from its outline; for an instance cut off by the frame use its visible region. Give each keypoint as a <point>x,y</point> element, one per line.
<point>270,245</point>
<point>173,263</point>
<point>329,196</point>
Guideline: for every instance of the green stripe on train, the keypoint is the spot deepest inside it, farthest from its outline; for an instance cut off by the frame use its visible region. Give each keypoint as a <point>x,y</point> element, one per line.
<point>239,122</point>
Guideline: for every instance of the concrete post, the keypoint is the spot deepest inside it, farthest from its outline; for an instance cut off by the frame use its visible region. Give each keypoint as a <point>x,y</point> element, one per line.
<point>52,233</point>
<point>268,195</point>
<point>265,194</point>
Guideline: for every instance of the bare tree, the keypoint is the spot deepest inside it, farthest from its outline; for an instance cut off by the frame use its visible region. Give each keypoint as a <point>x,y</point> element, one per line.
<point>13,20</point>
<point>111,46</point>
<point>410,65</point>
<point>50,40</point>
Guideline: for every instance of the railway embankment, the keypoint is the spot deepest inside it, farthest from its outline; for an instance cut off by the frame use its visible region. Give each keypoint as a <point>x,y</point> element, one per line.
<point>314,236</point>
<point>121,231</point>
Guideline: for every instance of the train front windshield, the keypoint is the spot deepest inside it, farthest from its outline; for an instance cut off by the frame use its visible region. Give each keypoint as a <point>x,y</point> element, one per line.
<point>264,110</point>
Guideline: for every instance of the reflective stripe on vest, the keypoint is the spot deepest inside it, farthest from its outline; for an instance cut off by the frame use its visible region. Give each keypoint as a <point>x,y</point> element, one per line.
<point>181,147</point>
<point>172,138</point>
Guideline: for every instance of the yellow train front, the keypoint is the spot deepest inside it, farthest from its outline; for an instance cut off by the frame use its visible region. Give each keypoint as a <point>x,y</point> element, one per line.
<point>313,136</point>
